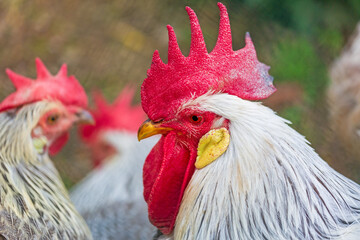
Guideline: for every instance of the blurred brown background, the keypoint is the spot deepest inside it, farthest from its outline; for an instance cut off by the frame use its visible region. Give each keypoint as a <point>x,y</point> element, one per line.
<point>108,44</point>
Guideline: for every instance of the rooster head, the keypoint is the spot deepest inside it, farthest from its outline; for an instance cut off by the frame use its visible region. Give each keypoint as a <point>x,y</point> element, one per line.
<point>118,116</point>
<point>192,138</point>
<point>52,128</point>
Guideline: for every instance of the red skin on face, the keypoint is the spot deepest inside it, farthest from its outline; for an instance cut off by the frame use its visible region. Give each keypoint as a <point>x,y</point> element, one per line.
<point>170,166</point>
<point>54,125</point>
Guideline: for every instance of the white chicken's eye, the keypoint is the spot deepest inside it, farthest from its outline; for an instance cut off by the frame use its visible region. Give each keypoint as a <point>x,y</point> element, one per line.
<point>52,119</point>
<point>196,119</point>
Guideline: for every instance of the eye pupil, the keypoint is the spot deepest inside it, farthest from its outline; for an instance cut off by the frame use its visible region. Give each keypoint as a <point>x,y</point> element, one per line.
<point>195,118</point>
<point>52,119</point>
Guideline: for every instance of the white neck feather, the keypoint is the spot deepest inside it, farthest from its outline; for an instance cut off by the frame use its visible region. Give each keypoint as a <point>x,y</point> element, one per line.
<point>269,184</point>
<point>31,188</point>
<point>15,132</point>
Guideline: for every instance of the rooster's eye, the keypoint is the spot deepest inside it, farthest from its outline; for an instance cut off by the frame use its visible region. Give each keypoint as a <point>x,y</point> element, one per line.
<point>52,119</point>
<point>196,119</point>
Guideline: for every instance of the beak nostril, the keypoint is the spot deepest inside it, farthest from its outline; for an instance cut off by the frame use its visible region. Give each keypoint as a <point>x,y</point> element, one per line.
<point>150,128</point>
<point>157,121</point>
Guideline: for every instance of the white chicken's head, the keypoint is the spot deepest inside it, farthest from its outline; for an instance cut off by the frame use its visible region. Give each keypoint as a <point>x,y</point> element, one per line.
<point>64,104</point>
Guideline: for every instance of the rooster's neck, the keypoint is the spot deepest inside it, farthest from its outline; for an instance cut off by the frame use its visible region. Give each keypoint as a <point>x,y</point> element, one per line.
<point>269,184</point>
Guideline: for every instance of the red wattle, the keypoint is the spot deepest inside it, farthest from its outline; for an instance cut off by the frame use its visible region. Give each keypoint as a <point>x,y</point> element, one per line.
<point>167,171</point>
<point>58,144</point>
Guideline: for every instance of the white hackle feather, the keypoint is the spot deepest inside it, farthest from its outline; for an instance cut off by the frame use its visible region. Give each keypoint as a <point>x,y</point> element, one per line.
<point>34,203</point>
<point>269,184</point>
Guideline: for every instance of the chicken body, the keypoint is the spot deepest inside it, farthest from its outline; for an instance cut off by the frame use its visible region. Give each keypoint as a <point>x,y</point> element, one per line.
<point>269,184</point>
<point>227,167</point>
<point>110,198</point>
<point>34,203</point>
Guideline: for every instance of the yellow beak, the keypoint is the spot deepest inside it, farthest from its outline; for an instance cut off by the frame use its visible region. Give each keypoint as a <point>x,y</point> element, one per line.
<point>149,128</point>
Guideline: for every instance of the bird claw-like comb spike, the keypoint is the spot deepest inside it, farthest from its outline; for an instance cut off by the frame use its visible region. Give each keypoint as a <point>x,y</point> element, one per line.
<point>248,42</point>
<point>99,100</point>
<point>63,71</point>
<point>157,60</point>
<point>42,72</point>
<point>18,80</point>
<point>197,39</point>
<point>126,97</point>
<point>224,41</point>
<point>174,52</point>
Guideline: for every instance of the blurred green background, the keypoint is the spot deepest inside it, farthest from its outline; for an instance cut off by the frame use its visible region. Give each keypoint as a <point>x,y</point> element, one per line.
<point>108,44</point>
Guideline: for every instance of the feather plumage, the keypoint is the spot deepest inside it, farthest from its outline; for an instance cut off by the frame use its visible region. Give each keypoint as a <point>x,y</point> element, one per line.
<point>34,203</point>
<point>269,184</point>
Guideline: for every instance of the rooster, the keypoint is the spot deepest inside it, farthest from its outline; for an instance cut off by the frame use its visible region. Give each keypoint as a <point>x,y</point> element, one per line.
<point>227,167</point>
<point>110,197</point>
<point>35,120</point>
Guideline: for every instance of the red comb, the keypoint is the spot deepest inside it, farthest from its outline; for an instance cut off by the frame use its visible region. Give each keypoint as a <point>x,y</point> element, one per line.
<point>118,116</point>
<point>59,87</point>
<point>238,73</point>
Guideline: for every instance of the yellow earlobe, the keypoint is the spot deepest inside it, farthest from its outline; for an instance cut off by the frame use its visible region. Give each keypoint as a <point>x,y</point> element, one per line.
<point>39,144</point>
<point>211,146</point>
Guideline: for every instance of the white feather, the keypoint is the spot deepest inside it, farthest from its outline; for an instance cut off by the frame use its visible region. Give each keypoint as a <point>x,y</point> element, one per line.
<point>269,184</point>
<point>111,197</point>
<point>119,179</point>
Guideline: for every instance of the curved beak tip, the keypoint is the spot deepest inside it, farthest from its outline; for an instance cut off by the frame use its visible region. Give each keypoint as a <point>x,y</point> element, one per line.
<point>85,117</point>
<point>144,130</point>
<point>139,137</point>
<point>149,128</point>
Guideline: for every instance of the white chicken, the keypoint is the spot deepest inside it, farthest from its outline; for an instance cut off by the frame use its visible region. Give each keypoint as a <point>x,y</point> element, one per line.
<point>110,198</point>
<point>227,167</point>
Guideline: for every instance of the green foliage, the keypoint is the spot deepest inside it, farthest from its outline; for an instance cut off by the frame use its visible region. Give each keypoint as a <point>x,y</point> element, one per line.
<point>294,115</point>
<point>295,60</point>
<point>332,40</point>
<point>68,182</point>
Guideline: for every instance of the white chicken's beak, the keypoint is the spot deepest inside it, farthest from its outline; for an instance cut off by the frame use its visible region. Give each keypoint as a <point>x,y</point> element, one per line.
<point>84,117</point>
<point>149,128</point>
